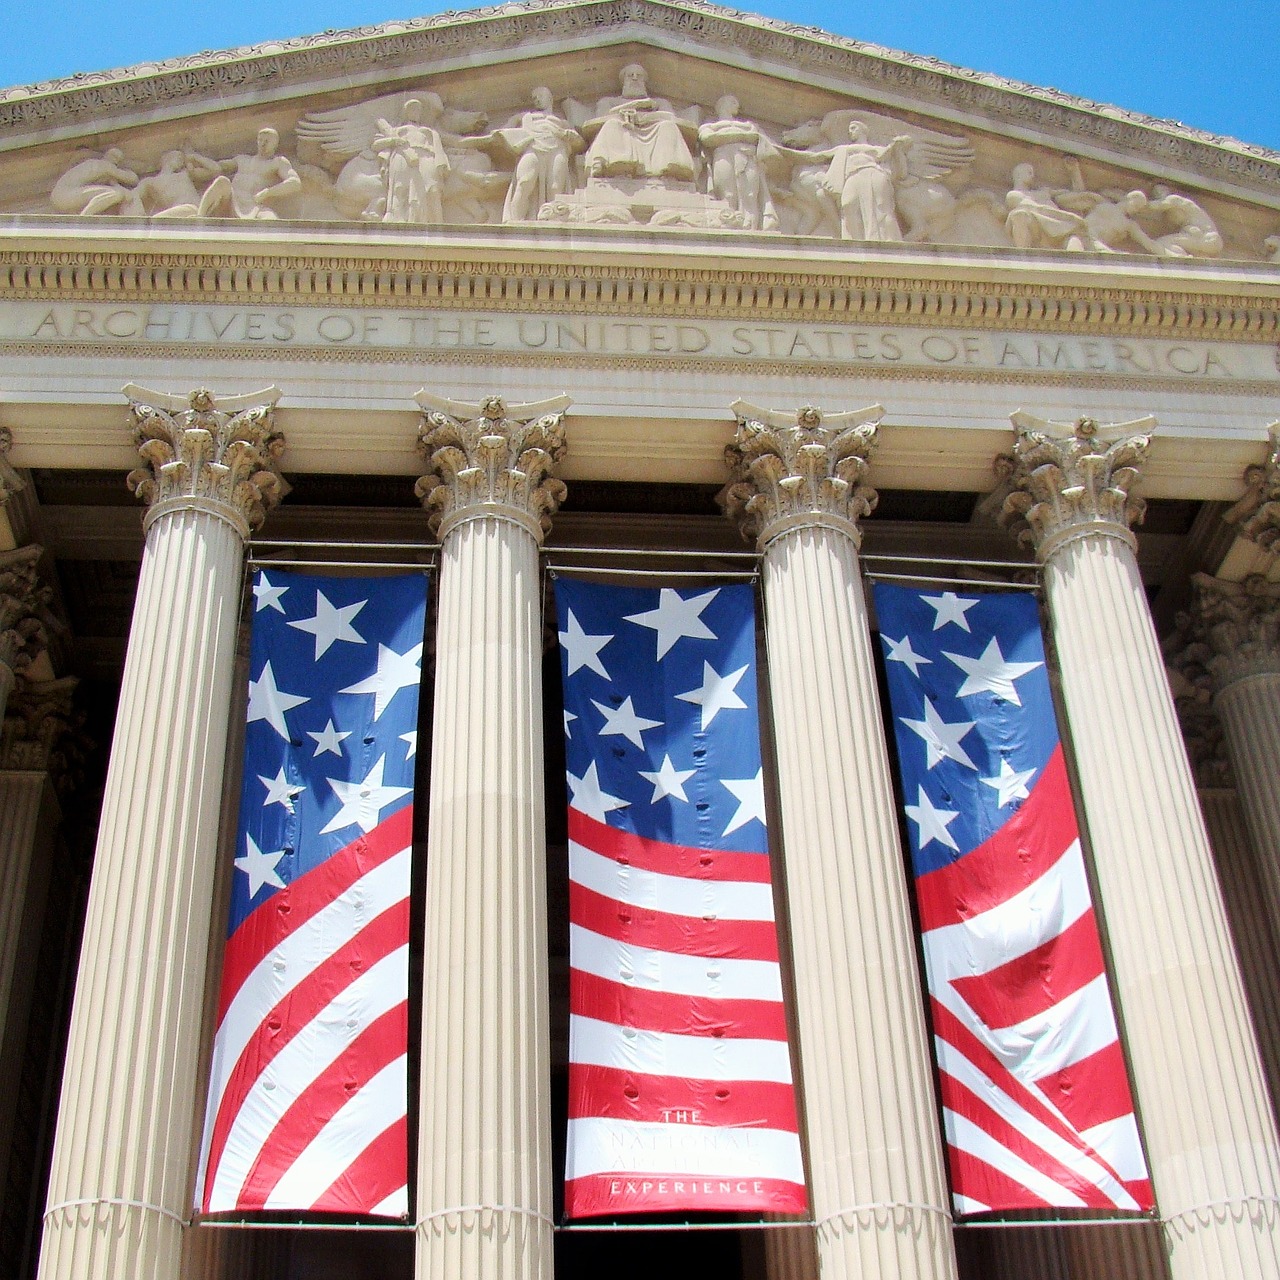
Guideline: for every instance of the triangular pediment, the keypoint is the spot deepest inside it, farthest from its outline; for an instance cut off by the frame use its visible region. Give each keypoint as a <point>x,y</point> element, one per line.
<point>743,126</point>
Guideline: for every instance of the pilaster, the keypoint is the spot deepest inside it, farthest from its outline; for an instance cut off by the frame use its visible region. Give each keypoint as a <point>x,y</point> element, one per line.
<point>119,1188</point>
<point>1210,1139</point>
<point>484,1199</point>
<point>798,488</point>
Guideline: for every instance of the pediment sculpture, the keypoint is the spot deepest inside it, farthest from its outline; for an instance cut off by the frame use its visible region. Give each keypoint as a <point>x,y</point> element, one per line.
<point>638,159</point>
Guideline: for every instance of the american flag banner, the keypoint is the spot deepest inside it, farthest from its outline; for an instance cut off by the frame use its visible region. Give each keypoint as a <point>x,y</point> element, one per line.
<point>308,1091</point>
<point>1035,1095</point>
<point>680,1088</point>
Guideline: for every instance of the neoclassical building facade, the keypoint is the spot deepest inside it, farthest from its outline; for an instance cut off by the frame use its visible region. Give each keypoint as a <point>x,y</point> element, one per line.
<point>644,259</point>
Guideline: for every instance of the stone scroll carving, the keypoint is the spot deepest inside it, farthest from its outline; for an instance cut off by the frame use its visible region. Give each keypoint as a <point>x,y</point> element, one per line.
<point>637,158</point>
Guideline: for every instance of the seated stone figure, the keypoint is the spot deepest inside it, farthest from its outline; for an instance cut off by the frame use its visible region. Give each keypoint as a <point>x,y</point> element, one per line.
<point>636,136</point>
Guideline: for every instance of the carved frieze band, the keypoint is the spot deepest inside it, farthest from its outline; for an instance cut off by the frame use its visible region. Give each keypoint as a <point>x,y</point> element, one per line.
<point>1257,515</point>
<point>794,470</point>
<point>1073,480</point>
<point>491,460</point>
<point>218,454</point>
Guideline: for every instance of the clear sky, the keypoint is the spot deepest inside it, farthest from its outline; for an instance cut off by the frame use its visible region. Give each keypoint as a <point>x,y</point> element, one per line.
<point>1214,66</point>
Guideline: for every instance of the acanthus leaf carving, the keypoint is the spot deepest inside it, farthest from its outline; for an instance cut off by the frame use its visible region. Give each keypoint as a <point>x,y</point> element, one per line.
<point>25,602</point>
<point>1238,625</point>
<point>790,471</point>
<point>1072,479</point>
<point>216,454</point>
<point>491,460</point>
<point>1257,514</point>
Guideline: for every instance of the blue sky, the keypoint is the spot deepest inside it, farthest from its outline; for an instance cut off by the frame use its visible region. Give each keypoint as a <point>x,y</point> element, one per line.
<point>1212,66</point>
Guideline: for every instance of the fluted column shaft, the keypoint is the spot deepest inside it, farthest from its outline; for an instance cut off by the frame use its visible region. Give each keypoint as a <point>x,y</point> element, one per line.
<point>878,1193</point>
<point>484,1158</point>
<point>1211,1143</point>
<point>120,1185</point>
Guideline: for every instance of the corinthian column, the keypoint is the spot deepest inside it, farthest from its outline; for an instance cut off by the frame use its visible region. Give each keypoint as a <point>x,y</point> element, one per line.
<point>484,1148</point>
<point>879,1196</point>
<point>120,1186</point>
<point>1210,1139</point>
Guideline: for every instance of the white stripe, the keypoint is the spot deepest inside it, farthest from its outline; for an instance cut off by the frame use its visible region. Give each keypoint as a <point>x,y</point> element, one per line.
<point>1039,913</point>
<point>307,1056</point>
<point>396,1205</point>
<point>1074,1028</point>
<point>659,1053</point>
<point>597,1145</point>
<point>664,971</point>
<point>988,1092</point>
<point>967,1204</point>
<point>1118,1143</point>
<point>676,895</point>
<point>295,958</point>
<point>966,1136</point>
<point>369,1111</point>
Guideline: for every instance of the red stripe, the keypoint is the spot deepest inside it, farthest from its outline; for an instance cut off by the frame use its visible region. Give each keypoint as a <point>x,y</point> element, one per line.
<point>1038,979</point>
<point>671,859</point>
<point>617,1094</point>
<point>1093,1090</point>
<point>617,1195</point>
<point>384,1040</point>
<point>1140,1189</point>
<point>289,908</point>
<point>1016,856</point>
<point>963,1101</point>
<point>977,1180</point>
<point>278,1026</point>
<point>692,935</point>
<point>594,997</point>
<point>949,1028</point>
<point>380,1169</point>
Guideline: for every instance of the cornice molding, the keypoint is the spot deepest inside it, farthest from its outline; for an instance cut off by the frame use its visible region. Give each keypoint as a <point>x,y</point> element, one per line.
<point>78,103</point>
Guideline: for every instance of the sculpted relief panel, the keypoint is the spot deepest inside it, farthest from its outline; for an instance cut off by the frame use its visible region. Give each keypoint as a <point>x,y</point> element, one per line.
<point>637,159</point>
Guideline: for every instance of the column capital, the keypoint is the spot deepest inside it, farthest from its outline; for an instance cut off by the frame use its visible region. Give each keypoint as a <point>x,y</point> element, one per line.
<point>42,731</point>
<point>217,454</point>
<point>10,481</point>
<point>1239,623</point>
<point>1257,515</point>
<point>1073,480</point>
<point>24,608</point>
<point>799,470</point>
<point>491,460</point>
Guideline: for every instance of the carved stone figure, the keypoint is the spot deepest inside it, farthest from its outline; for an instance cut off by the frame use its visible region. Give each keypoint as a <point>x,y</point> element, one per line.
<point>257,181</point>
<point>1272,246</point>
<point>636,136</point>
<point>100,184</point>
<point>172,192</point>
<point>1110,224</point>
<point>414,163</point>
<point>1036,220</point>
<point>861,178</point>
<point>1194,233</point>
<point>739,153</point>
<point>543,144</point>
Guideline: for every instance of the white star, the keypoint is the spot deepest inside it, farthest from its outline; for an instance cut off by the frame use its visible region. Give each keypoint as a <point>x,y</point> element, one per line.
<point>949,607</point>
<point>266,702</point>
<point>362,802</point>
<point>942,739</point>
<point>583,650</point>
<point>676,617</point>
<point>266,596</point>
<point>395,671</point>
<point>411,738</point>
<point>328,739</point>
<point>901,651</point>
<point>569,717</point>
<point>589,799</point>
<point>931,823</point>
<point>280,790</point>
<point>716,694</point>
<point>991,673</point>
<point>668,781</point>
<point>330,624</point>
<point>624,722</point>
<point>259,867</point>
<point>750,796</point>
<point>1011,783</point>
